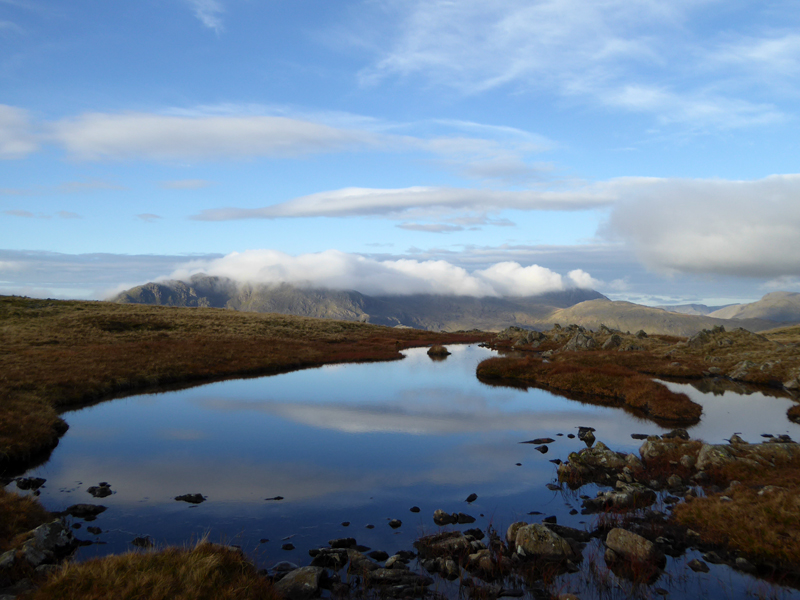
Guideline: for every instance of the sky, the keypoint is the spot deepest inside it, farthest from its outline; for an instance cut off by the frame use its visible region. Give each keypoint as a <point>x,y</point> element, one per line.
<point>648,150</point>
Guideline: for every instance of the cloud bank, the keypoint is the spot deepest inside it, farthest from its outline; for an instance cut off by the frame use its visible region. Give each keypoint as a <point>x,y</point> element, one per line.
<point>338,270</point>
<point>740,228</point>
<point>148,136</point>
<point>350,202</point>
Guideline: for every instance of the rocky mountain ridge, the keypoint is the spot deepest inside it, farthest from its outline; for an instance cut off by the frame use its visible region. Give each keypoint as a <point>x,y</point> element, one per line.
<point>587,308</point>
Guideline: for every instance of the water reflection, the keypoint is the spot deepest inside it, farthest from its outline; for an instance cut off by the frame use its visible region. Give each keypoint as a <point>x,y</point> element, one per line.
<point>357,443</point>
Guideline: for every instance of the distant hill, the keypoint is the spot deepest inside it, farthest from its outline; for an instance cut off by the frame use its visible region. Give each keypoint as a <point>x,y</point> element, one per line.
<point>627,316</point>
<point>691,309</point>
<point>437,313</point>
<point>422,311</point>
<point>780,307</point>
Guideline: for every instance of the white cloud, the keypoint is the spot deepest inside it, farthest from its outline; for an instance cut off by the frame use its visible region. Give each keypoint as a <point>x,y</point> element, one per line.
<point>149,217</point>
<point>16,137</point>
<point>738,228</point>
<point>367,201</point>
<point>608,53</point>
<point>338,270</point>
<point>185,184</point>
<point>208,11</point>
<point>431,227</point>
<point>582,279</point>
<point>97,136</point>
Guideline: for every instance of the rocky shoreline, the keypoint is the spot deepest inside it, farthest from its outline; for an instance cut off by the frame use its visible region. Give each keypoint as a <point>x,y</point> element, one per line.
<point>635,530</point>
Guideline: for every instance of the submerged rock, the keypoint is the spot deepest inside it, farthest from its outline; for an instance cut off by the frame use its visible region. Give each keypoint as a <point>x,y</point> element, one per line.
<point>87,512</point>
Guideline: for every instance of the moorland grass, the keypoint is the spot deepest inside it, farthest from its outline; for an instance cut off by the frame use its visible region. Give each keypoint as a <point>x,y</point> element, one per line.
<point>759,517</point>
<point>207,571</point>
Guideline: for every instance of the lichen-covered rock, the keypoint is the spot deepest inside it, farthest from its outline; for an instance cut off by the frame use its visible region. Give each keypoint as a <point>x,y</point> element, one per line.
<point>655,447</point>
<point>614,341</point>
<point>590,462</point>
<point>633,547</point>
<point>699,339</point>
<point>741,370</point>
<point>580,341</point>
<point>537,541</point>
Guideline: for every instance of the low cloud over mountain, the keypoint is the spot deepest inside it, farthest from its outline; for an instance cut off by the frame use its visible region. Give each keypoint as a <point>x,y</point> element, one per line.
<point>341,271</point>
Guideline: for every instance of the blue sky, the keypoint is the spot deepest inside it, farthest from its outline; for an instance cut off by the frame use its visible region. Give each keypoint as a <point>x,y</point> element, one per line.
<point>646,149</point>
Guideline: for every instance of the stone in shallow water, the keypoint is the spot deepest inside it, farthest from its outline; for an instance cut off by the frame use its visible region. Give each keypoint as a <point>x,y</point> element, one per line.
<point>191,498</point>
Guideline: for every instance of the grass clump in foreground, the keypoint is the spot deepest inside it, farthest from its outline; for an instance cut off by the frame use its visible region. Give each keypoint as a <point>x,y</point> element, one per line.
<point>19,515</point>
<point>207,571</point>
<point>607,384</point>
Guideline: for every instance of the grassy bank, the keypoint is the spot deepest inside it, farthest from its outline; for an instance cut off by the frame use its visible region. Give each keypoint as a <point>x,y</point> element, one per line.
<point>60,354</point>
<point>616,368</point>
<point>607,385</point>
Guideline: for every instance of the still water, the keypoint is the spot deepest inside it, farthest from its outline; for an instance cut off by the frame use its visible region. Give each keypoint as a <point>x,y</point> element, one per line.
<point>358,444</point>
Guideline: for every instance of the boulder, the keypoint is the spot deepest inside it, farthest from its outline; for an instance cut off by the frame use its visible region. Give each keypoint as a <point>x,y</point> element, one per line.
<point>360,564</point>
<point>300,584</point>
<point>442,518</point>
<point>627,496</point>
<point>448,543</point>
<point>511,532</point>
<point>537,541</point>
<point>591,462</point>
<point>580,341</point>
<point>741,370</point>
<point>699,339</point>
<point>633,547</point>
<point>330,558</point>
<point>612,342</point>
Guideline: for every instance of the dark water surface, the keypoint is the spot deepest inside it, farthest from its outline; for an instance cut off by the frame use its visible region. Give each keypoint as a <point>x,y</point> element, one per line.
<point>359,443</point>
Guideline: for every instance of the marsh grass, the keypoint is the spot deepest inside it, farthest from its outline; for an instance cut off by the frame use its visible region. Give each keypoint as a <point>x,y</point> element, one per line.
<point>607,385</point>
<point>207,571</point>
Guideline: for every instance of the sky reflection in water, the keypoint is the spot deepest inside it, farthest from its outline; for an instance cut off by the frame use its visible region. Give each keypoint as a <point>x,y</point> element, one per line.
<point>359,443</point>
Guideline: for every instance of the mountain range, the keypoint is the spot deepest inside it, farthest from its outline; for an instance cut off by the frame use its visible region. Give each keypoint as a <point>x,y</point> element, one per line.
<point>450,313</point>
